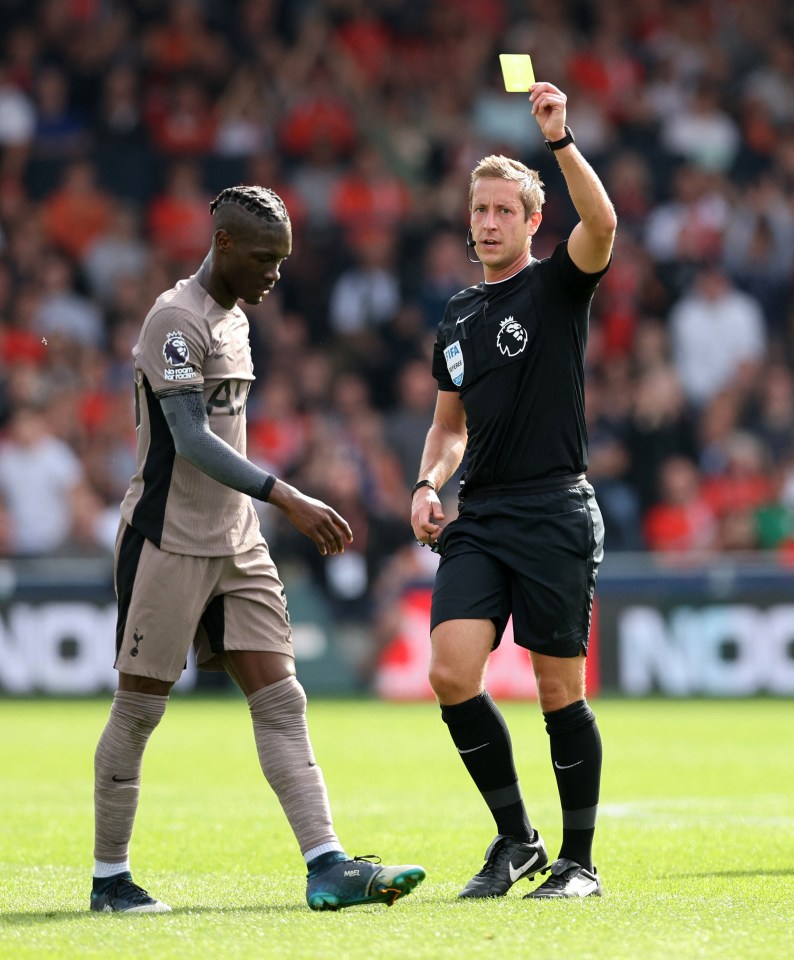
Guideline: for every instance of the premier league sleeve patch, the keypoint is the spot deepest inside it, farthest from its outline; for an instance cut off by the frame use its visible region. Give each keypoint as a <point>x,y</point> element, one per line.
<point>454,357</point>
<point>177,354</point>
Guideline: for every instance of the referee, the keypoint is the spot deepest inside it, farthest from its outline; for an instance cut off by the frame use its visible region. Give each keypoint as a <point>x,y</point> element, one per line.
<point>509,361</point>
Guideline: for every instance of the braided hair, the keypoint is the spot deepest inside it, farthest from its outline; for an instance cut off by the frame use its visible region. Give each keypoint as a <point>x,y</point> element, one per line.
<point>261,202</point>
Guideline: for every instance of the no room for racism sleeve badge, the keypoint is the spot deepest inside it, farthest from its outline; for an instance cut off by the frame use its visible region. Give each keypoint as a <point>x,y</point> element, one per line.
<point>176,354</point>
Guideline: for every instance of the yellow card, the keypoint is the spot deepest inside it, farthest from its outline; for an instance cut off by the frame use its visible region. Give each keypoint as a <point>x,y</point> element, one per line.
<point>517,71</point>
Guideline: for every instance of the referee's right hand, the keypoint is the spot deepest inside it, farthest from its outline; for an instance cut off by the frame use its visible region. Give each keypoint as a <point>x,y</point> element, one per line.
<point>426,512</point>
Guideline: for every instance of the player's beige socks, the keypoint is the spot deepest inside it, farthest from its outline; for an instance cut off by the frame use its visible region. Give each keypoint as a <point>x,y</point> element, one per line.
<point>285,752</point>
<point>117,771</point>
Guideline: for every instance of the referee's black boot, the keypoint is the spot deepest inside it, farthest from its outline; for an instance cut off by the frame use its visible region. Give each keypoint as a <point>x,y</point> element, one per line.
<point>568,879</point>
<point>506,861</point>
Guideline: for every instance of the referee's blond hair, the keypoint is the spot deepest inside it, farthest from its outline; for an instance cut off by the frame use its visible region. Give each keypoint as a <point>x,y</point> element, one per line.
<point>498,167</point>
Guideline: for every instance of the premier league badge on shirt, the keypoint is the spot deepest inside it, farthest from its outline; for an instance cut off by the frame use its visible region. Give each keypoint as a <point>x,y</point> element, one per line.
<point>175,349</point>
<point>512,337</point>
<point>454,357</point>
<point>177,354</point>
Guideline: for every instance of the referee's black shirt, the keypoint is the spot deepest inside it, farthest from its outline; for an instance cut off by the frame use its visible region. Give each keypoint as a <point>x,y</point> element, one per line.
<point>515,350</point>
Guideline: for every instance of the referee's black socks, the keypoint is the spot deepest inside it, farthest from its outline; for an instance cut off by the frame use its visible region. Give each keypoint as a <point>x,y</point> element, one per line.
<point>576,755</point>
<point>480,733</point>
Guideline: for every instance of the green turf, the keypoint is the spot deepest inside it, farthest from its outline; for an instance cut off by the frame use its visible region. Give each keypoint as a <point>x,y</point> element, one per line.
<point>695,841</point>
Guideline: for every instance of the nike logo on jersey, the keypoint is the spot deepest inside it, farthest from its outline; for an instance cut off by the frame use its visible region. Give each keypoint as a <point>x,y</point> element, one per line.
<point>461,319</point>
<point>517,872</point>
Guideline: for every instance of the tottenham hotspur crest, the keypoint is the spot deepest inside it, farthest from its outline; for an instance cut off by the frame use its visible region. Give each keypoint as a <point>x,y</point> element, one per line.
<point>512,337</point>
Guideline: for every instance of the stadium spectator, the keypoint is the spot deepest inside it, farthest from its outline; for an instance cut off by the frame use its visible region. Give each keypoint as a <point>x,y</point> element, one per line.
<point>745,482</point>
<point>242,128</point>
<point>78,211</point>
<point>61,312</point>
<point>608,469</point>
<point>688,226</point>
<point>369,198</point>
<point>759,252</point>
<point>630,183</point>
<point>118,251</point>
<point>772,81</point>
<point>367,295</point>
<point>179,40</point>
<point>717,334</point>
<point>314,180</point>
<point>318,116</point>
<point>660,427</point>
<point>62,133</point>
<point>770,416</point>
<point>408,420</point>
<point>123,151</point>
<point>17,123</point>
<point>277,432</point>
<point>443,272</point>
<point>177,216</point>
<point>41,478</point>
<point>681,521</point>
<point>703,133</point>
<point>185,125</point>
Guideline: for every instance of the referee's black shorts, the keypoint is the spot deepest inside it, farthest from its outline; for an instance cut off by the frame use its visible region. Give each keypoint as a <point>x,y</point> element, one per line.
<point>534,556</point>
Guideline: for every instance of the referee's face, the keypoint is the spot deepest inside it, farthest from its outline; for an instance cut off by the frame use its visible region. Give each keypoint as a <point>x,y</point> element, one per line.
<point>499,226</point>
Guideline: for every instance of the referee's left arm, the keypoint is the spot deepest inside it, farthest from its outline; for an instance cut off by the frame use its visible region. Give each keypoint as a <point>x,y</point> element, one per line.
<point>591,240</point>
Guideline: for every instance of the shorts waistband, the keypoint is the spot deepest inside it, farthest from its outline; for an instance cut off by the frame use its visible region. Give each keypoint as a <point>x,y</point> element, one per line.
<point>565,482</point>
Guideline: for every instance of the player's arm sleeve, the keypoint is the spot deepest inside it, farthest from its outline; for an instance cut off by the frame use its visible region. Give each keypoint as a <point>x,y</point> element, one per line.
<point>187,420</point>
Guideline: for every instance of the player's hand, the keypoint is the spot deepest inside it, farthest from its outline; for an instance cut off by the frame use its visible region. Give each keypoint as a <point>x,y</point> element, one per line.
<point>548,108</point>
<point>426,512</point>
<point>321,523</point>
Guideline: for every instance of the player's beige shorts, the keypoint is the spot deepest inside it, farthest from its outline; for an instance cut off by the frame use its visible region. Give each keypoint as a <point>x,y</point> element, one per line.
<point>168,602</point>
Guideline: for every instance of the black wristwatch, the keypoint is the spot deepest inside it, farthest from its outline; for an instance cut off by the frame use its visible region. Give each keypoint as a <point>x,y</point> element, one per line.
<point>422,483</point>
<point>559,144</point>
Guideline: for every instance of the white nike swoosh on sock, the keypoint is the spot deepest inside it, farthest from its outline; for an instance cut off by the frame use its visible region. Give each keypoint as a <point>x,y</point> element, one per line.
<point>474,748</point>
<point>567,766</point>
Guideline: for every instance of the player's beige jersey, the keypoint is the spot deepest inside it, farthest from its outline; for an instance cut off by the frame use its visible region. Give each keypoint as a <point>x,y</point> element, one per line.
<point>188,341</point>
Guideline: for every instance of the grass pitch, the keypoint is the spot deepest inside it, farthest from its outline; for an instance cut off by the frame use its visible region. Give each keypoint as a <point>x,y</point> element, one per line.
<point>695,841</point>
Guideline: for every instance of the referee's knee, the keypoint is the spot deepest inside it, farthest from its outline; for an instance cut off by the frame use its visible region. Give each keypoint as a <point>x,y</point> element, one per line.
<point>450,687</point>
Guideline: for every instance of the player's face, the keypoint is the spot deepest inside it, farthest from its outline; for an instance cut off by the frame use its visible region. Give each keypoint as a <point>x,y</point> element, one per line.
<point>252,261</point>
<point>499,226</point>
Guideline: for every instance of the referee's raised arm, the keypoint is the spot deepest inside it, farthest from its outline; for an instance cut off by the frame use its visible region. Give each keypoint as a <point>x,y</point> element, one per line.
<point>591,240</point>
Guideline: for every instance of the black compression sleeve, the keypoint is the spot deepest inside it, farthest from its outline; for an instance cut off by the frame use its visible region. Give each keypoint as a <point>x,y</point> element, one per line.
<point>193,440</point>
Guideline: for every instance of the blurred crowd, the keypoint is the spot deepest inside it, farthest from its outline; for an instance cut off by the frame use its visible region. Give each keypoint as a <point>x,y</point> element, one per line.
<point>121,119</point>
